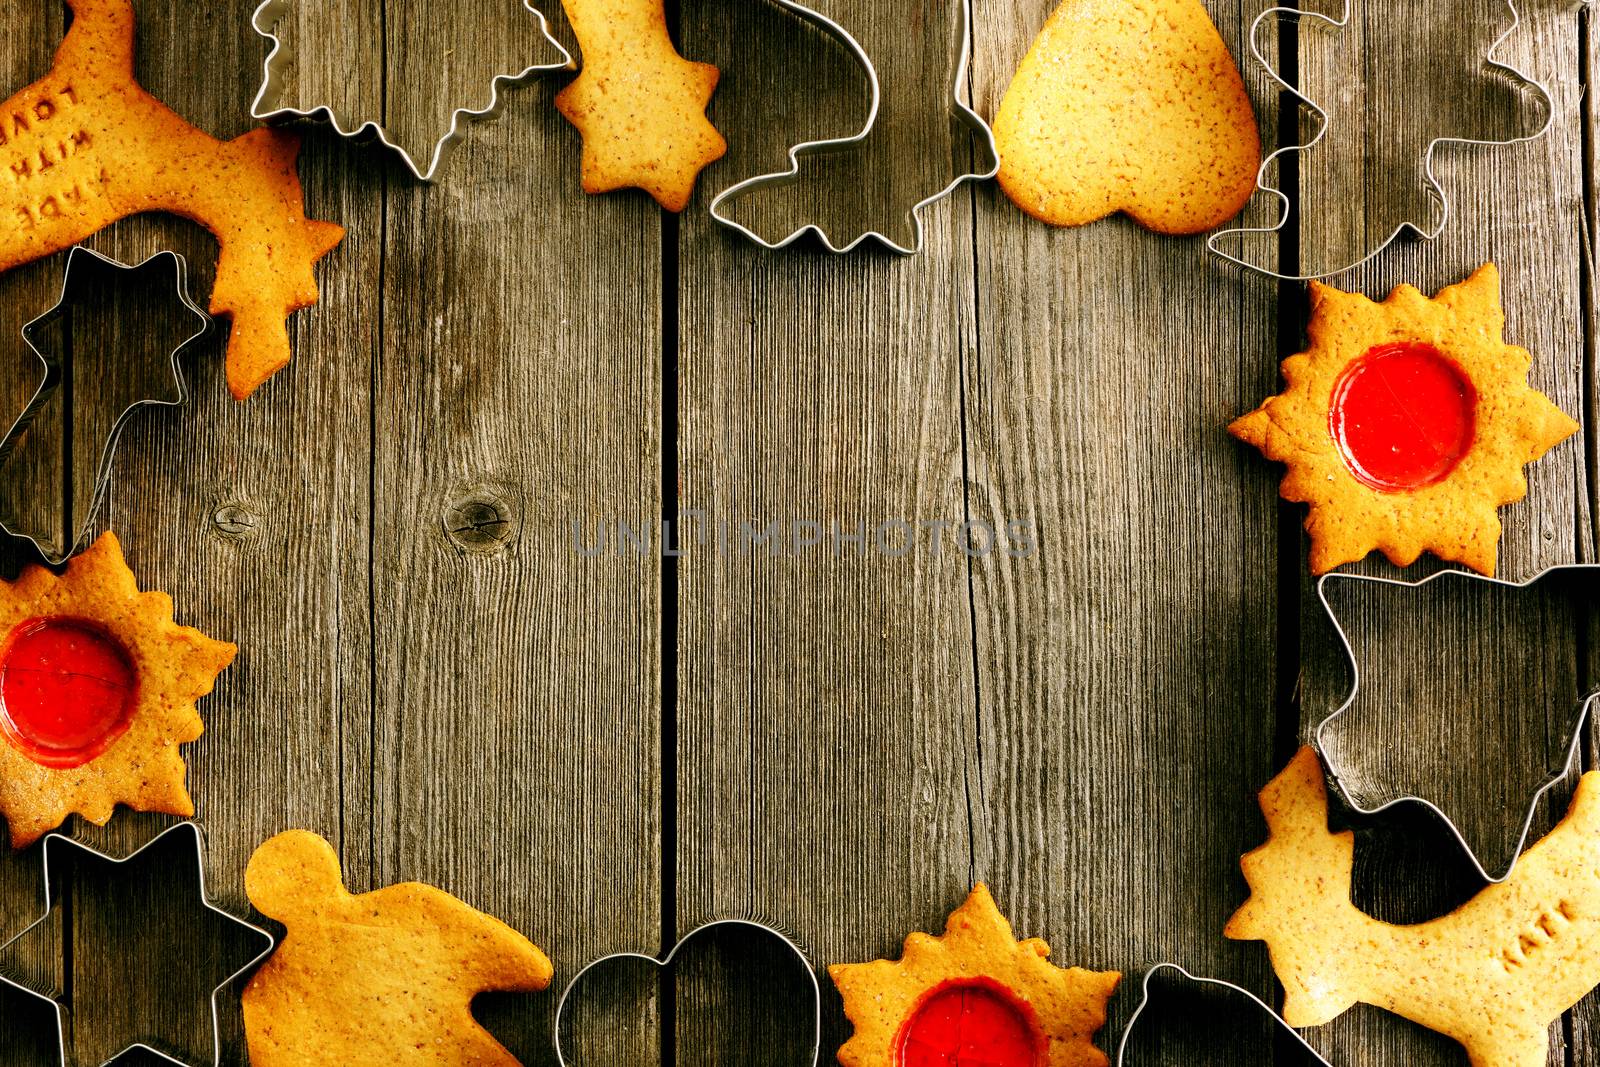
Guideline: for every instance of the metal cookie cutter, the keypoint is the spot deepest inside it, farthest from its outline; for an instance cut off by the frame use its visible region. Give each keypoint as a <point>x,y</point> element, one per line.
<point>56,843</point>
<point>1175,982</point>
<point>665,962</point>
<point>269,103</point>
<point>1325,117</point>
<point>126,359</point>
<point>1475,657</point>
<point>988,163</point>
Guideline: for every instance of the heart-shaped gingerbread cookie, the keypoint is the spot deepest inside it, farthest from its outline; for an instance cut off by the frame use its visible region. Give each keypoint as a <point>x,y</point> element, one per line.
<point>1129,105</point>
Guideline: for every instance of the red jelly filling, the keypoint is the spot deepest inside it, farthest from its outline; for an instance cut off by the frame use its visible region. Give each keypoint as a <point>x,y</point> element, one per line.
<point>972,1022</point>
<point>67,690</point>
<point>1402,415</point>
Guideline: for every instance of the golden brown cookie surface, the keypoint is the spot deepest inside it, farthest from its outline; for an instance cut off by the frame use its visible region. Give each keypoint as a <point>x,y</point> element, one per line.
<point>976,988</point>
<point>97,691</point>
<point>85,146</point>
<point>374,980</point>
<point>1492,975</point>
<point>1128,105</point>
<point>640,106</point>
<point>1405,424</point>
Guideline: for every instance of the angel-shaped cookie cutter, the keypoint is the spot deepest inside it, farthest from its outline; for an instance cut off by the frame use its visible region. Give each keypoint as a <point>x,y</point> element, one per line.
<point>268,104</point>
<point>55,843</point>
<point>1173,972</point>
<point>1340,772</point>
<point>1325,120</point>
<point>664,963</point>
<point>988,163</point>
<point>86,267</point>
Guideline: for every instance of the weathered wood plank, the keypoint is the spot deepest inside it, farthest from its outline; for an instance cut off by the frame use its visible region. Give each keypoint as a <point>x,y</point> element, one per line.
<point>824,735</point>
<point>1127,669</point>
<point>515,732</point>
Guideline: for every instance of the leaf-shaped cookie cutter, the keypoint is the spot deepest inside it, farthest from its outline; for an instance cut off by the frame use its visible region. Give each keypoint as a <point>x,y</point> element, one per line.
<point>990,161</point>
<point>664,962</point>
<point>1146,999</point>
<point>77,256</point>
<point>267,104</point>
<point>1325,120</point>
<point>1556,775</point>
<point>54,843</point>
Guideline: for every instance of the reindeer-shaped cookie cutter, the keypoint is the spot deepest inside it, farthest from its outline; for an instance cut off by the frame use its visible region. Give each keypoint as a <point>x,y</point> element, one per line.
<point>1325,121</point>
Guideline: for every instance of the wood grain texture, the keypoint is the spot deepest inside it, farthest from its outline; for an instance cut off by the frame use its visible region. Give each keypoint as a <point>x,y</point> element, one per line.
<point>516,715</point>
<point>1127,670</point>
<point>825,730</point>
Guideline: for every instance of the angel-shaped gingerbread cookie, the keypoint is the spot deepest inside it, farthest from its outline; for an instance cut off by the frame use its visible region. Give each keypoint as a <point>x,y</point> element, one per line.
<point>373,980</point>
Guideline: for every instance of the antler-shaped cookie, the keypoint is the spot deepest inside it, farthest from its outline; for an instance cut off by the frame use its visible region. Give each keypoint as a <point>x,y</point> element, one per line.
<point>85,146</point>
<point>1492,974</point>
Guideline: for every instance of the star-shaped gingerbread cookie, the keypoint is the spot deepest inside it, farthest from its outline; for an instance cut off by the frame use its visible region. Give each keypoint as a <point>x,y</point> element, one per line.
<point>377,979</point>
<point>640,106</point>
<point>976,989</point>
<point>1405,424</point>
<point>97,691</point>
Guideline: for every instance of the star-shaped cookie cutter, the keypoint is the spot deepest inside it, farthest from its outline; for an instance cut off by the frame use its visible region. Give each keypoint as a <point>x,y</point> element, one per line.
<point>664,963</point>
<point>55,843</point>
<point>989,162</point>
<point>1325,121</point>
<point>1177,974</point>
<point>268,104</point>
<point>1573,737</point>
<point>86,267</point>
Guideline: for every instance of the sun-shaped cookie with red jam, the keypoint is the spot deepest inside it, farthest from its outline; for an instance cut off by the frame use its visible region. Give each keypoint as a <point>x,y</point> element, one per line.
<point>97,691</point>
<point>975,997</point>
<point>1405,424</point>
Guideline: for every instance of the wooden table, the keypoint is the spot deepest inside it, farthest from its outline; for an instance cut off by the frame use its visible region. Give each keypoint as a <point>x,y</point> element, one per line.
<point>605,750</point>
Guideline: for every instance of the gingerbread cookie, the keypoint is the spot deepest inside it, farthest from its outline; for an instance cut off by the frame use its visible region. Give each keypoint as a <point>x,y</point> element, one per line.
<point>976,989</point>
<point>85,146</point>
<point>640,106</point>
<point>378,979</point>
<point>1493,974</point>
<point>97,691</point>
<point>1406,424</point>
<point>1131,105</point>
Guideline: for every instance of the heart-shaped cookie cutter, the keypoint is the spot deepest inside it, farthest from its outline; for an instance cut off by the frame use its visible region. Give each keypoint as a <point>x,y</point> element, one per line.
<point>664,962</point>
<point>55,843</point>
<point>1325,120</point>
<point>988,163</point>
<point>1342,772</point>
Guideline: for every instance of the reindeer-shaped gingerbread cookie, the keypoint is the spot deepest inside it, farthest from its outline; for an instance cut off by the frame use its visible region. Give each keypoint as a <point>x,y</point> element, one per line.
<point>1493,974</point>
<point>85,146</point>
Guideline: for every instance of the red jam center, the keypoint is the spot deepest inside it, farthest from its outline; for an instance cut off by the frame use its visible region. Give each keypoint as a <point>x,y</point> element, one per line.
<point>1402,415</point>
<point>970,1023</point>
<point>67,690</point>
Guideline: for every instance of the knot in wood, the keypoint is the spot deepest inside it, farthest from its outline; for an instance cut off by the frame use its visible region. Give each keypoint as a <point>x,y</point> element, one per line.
<point>234,520</point>
<point>479,520</point>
